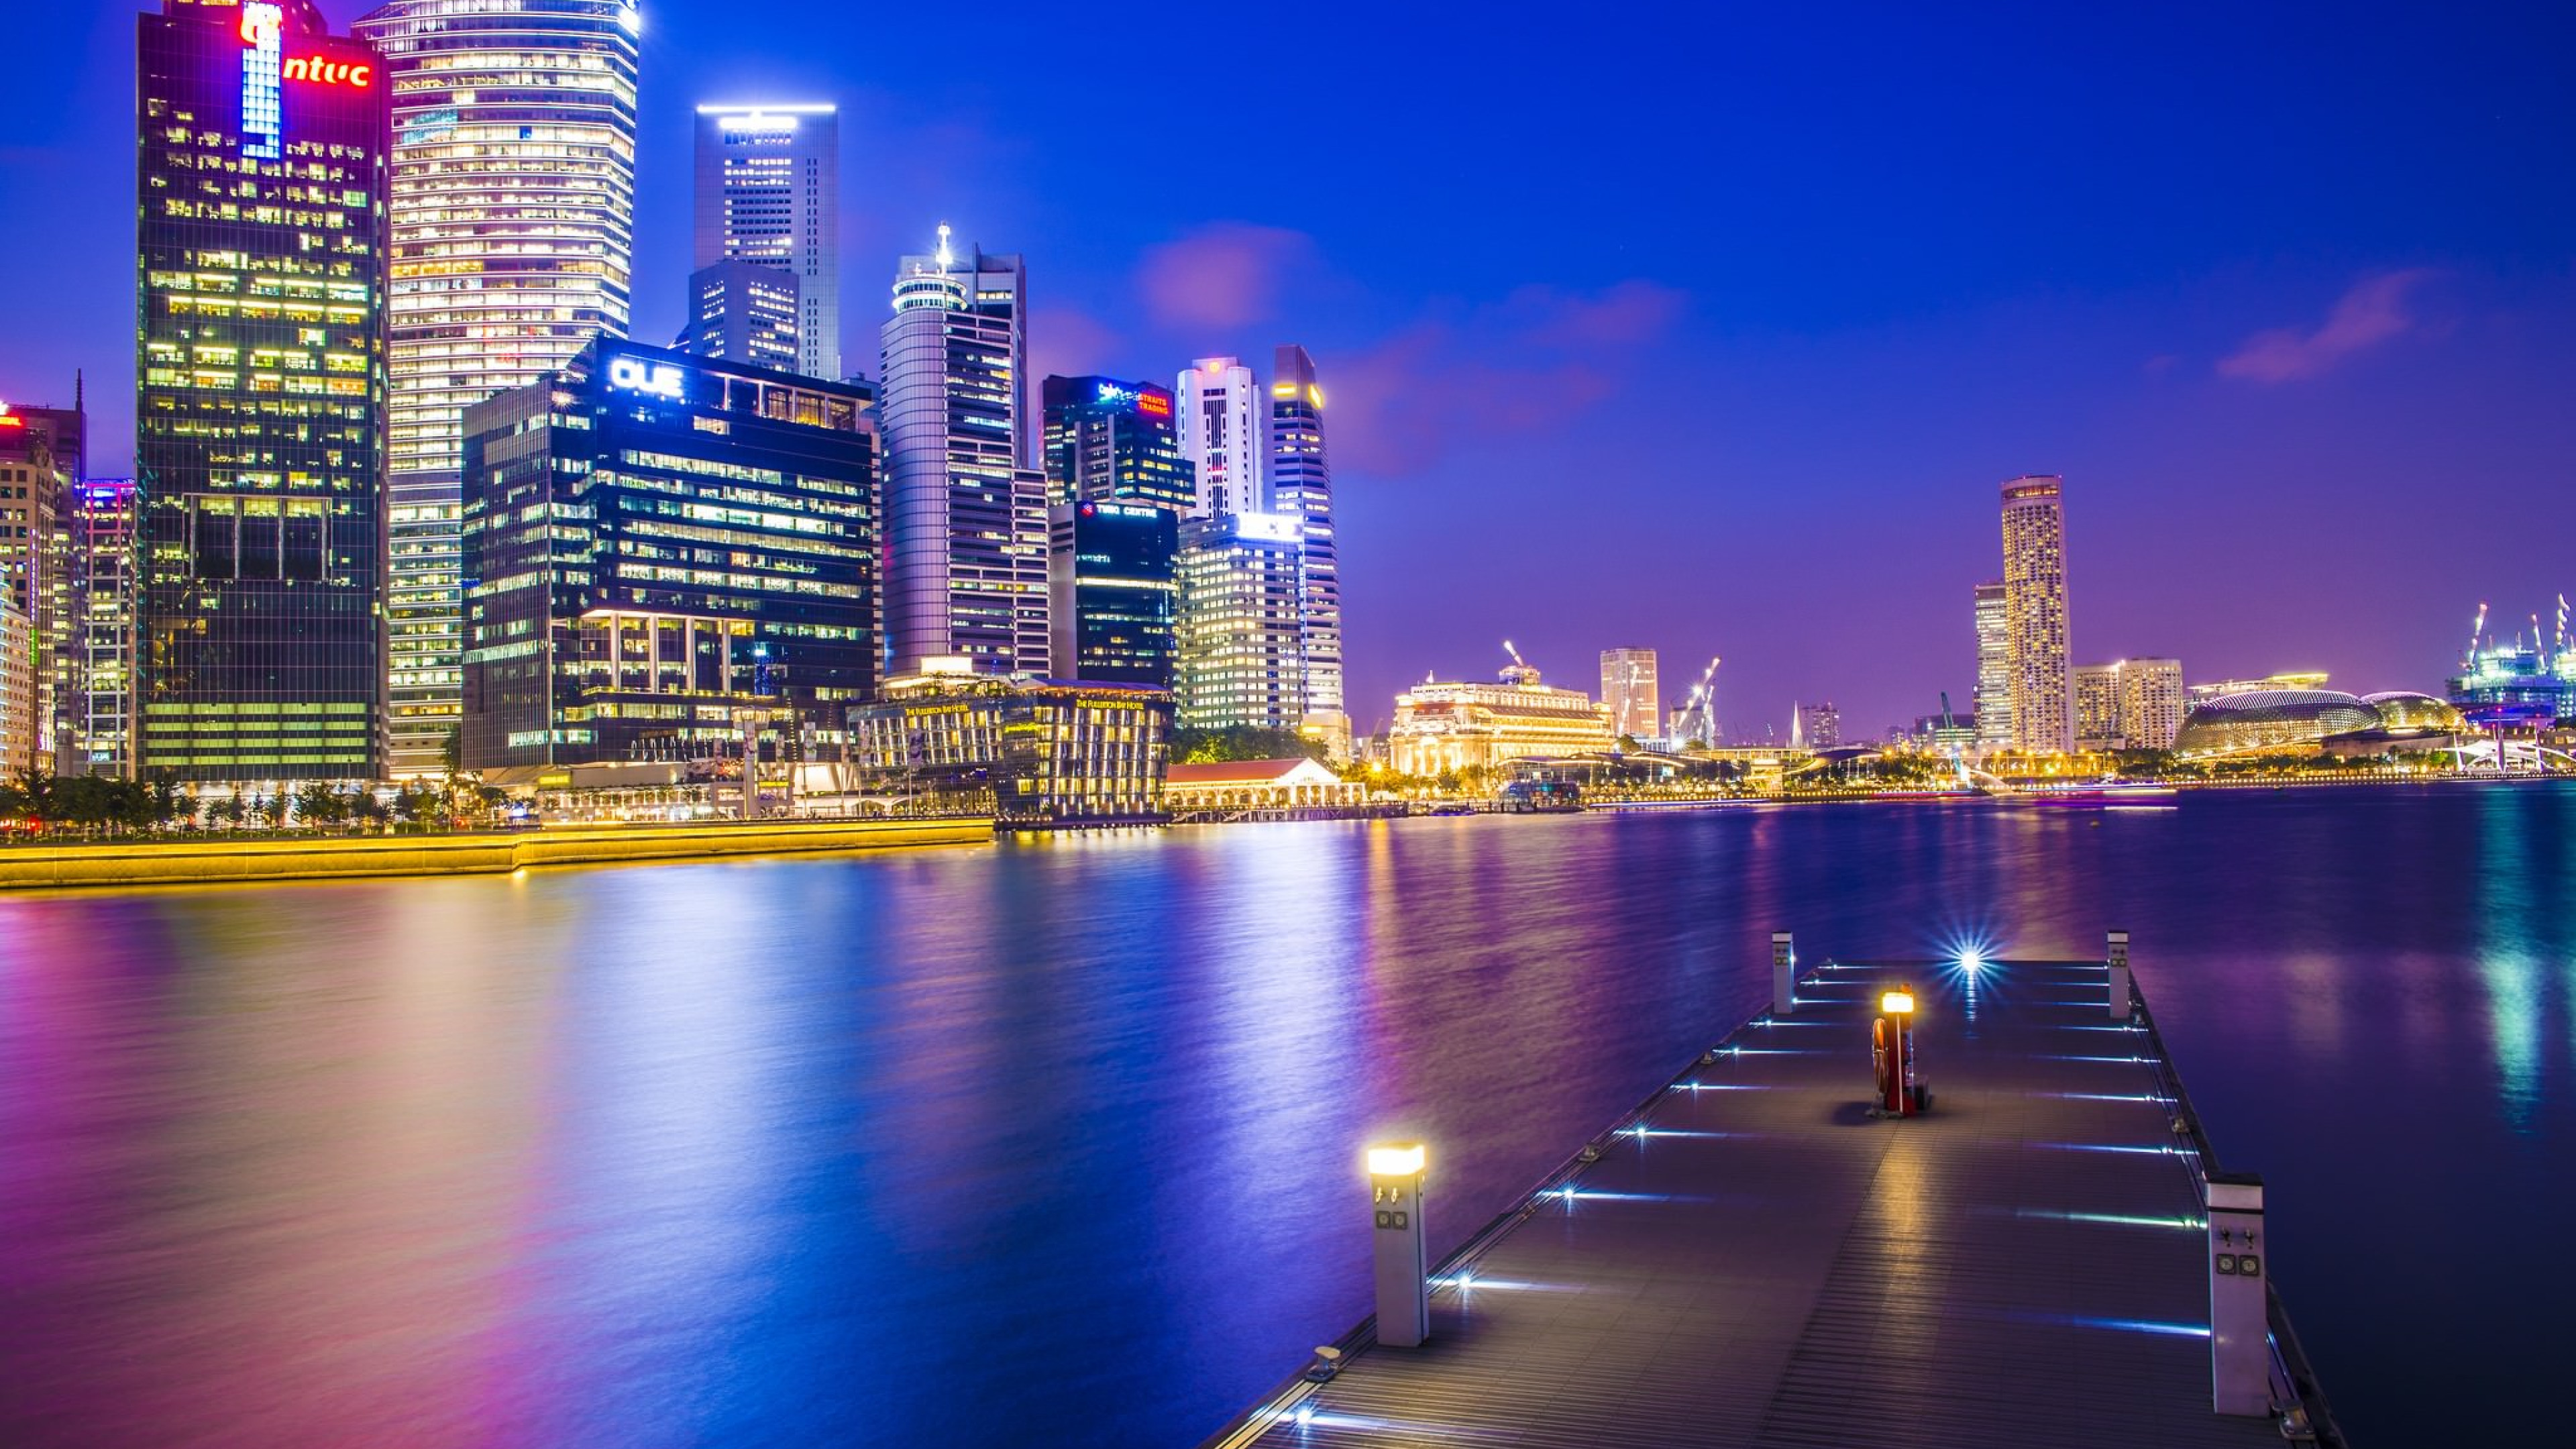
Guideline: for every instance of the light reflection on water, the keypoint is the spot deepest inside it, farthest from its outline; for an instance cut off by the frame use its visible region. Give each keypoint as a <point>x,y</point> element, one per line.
<point>1064,1131</point>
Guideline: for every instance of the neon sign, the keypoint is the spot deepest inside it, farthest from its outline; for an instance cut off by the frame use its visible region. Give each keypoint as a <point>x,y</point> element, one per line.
<point>330,72</point>
<point>660,379</point>
<point>1156,404</point>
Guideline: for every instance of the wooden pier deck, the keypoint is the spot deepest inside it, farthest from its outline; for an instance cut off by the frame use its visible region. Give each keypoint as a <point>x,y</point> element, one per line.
<point>1753,1259</point>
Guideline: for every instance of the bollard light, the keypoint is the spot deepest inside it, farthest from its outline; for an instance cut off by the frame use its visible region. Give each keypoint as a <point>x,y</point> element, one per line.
<point>1897,1003</point>
<point>1395,1221</point>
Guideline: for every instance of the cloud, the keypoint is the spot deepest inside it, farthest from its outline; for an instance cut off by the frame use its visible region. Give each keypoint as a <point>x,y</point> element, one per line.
<point>2373,312</point>
<point>1631,312</point>
<point>1522,367</point>
<point>1224,275</point>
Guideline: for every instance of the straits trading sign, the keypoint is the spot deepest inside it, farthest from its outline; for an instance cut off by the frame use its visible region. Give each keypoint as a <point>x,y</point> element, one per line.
<point>1153,402</point>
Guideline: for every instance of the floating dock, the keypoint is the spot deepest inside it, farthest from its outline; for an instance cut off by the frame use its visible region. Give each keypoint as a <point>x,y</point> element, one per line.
<point>1753,1257</point>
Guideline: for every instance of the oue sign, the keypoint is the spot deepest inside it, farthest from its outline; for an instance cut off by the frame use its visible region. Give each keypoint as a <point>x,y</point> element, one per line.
<point>634,374</point>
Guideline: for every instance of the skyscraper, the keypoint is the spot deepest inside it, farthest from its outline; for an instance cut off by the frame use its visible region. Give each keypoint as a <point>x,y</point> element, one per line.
<point>769,192</point>
<point>1107,439</point>
<point>966,524</point>
<point>1242,658</point>
<point>743,312</point>
<point>1110,569</point>
<point>100,739</point>
<point>40,470</point>
<point>1628,687</point>
<point>512,215</point>
<point>1301,487</point>
<point>1994,669</point>
<point>2035,613</point>
<point>655,542</point>
<point>2097,707</point>
<point>2151,702</point>
<point>1817,726</point>
<point>1222,436</point>
<point>259,417</point>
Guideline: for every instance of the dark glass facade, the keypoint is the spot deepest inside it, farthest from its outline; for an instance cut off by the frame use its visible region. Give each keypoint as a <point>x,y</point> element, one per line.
<point>1113,440</point>
<point>1115,601</point>
<point>655,543</point>
<point>260,394</point>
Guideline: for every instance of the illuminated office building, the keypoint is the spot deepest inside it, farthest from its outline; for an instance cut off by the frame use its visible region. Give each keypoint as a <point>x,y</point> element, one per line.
<point>99,738</point>
<point>1815,726</point>
<point>742,312</point>
<point>262,172</point>
<point>1030,749</point>
<point>1114,598</point>
<point>1628,688</point>
<point>2035,624</point>
<point>966,520</point>
<point>512,211</point>
<point>40,450</point>
<point>1241,648</point>
<point>769,193</point>
<point>1111,440</point>
<point>1301,487</point>
<point>1994,669</point>
<point>17,689</point>
<point>1222,435</point>
<point>658,543</point>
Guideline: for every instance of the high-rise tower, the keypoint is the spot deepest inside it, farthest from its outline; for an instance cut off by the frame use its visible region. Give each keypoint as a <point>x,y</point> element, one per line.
<point>769,192</point>
<point>1994,669</point>
<point>1222,436</point>
<point>966,521</point>
<point>259,416</point>
<point>2035,613</point>
<point>1301,487</point>
<point>1628,687</point>
<point>512,215</point>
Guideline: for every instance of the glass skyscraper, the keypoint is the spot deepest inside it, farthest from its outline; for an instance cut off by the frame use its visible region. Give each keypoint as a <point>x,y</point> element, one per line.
<point>1301,487</point>
<point>658,541</point>
<point>1111,440</point>
<point>513,200</point>
<point>1110,570</point>
<point>966,523</point>
<point>769,193</point>
<point>1994,669</point>
<point>259,421</point>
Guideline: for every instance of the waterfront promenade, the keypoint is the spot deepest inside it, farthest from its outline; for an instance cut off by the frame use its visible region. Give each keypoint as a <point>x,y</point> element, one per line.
<point>215,859</point>
<point>1753,1258</point>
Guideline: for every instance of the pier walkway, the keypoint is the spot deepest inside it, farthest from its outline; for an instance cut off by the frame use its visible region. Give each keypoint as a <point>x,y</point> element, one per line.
<point>1753,1259</point>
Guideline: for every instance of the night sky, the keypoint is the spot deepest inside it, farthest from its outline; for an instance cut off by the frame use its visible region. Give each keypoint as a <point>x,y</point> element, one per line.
<point>1705,328</point>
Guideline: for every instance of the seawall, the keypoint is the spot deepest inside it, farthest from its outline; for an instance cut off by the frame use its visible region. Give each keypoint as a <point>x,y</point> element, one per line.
<point>197,862</point>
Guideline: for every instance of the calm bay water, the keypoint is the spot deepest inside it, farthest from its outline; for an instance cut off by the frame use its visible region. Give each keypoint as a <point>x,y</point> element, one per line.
<point>1056,1141</point>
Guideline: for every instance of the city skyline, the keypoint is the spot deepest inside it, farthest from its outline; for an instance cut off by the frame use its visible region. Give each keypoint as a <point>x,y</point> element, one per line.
<point>2298,365</point>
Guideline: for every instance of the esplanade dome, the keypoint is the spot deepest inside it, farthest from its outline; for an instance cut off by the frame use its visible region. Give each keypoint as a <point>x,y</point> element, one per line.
<point>2404,709</point>
<point>2269,718</point>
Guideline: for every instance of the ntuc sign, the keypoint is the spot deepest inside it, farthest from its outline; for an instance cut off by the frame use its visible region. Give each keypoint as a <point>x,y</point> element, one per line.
<point>355,74</point>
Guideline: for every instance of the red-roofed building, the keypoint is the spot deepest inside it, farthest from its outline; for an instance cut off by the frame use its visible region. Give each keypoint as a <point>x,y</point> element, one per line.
<point>1257,785</point>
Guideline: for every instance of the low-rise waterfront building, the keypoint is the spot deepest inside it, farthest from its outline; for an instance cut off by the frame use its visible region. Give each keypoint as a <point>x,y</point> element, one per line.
<point>1045,751</point>
<point>2267,720</point>
<point>1298,783</point>
<point>1462,725</point>
<point>662,548</point>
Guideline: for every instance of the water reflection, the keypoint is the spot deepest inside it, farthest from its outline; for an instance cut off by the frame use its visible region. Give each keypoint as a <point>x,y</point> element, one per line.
<point>928,1148</point>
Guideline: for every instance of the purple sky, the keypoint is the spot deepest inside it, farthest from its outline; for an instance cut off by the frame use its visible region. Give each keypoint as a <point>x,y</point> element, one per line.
<point>1701,331</point>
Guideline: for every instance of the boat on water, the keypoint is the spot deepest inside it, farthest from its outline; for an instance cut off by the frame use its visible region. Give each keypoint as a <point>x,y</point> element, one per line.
<point>2100,795</point>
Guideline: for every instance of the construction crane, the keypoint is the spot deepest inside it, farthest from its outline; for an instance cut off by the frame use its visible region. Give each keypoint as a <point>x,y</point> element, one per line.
<point>1699,706</point>
<point>1516,654</point>
<point>2478,630</point>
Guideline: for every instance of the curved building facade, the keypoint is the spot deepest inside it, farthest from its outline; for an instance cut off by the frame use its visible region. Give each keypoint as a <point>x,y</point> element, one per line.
<point>2405,709</point>
<point>2272,719</point>
<point>512,215</point>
